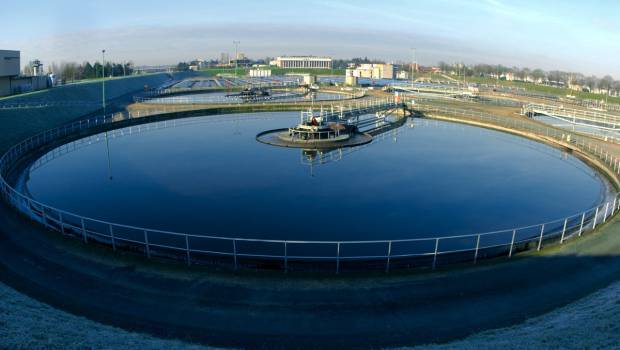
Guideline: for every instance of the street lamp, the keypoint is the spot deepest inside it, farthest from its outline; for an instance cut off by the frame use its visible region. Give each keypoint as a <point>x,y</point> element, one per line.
<point>412,64</point>
<point>103,80</point>
<point>236,55</point>
<point>107,142</point>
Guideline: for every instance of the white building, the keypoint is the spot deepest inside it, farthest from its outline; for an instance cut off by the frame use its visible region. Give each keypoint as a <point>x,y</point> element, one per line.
<point>403,75</point>
<point>9,69</point>
<point>308,62</point>
<point>372,71</point>
<point>259,73</point>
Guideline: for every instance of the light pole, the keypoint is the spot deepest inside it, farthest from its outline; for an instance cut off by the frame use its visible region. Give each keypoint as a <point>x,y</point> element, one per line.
<point>412,64</point>
<point>107,142</point>
<point>236,55</point>
<point>103,80</point>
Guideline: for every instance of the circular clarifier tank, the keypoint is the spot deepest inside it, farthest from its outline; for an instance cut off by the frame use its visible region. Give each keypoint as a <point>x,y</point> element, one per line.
<point>209,176</point>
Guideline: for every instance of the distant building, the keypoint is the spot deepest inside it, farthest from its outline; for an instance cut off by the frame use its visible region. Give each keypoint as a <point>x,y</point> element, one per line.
<point>259,73</point>
<point>350,80</point>
<point>224,59</point>
<point>372,71</point>
<point>10,80</point>
<point>423,69</point>
<point>508,76</point>
<point>9,69</point>
<point>404,75</point>
<point>241,62</point>
<point>307,62</point>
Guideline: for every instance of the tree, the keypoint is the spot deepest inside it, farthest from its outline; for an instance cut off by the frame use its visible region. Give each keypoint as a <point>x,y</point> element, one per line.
<point>606,83</point>
<point>538,74</point>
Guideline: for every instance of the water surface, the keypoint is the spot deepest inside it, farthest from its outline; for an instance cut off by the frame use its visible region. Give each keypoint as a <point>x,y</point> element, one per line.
<point>209,175</point>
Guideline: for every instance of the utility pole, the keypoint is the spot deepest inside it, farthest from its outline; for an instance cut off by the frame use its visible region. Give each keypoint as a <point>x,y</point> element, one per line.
<point>413,63</point>
<point>103,80</point>
<point>236,42</point>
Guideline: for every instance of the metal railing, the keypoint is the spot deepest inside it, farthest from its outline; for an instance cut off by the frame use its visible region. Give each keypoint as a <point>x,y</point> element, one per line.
<point>224,84</point>
<point>315,255</point>
<point>224,100</point>
<point>46,104</point>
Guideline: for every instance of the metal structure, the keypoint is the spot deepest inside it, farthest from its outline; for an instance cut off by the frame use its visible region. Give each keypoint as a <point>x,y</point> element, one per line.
<point>591,118</point>
<point>192,100</point>
<point>223,84</point>
<point>431,89</point>
<point>315,255</point>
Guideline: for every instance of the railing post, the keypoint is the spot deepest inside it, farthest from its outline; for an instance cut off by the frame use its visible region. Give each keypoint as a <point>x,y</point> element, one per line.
<point>389,255</point>
<point>613,207</point>
<point>146,244</point>
<point>338,258</point>
<point>62,224</point>
<point>189,261</point>
<point>477,249</point>
<point>235,252</point>
<point>285,256</point>
<point>83,230</point>
<point>542,230</point>
<point>512,243</point>
<point>583,217</point>
<point>606,210</point>
<point>595,217</point>
<point>563,231</point>
<point>43,214</point>
<point>435,254</point>
<point>112,237</point>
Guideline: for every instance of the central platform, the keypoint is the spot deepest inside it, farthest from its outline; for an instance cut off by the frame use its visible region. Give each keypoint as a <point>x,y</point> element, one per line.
<point>285,138</point>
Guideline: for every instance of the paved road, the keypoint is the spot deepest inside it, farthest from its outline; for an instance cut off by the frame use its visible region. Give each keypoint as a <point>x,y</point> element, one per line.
<point>267,310</point>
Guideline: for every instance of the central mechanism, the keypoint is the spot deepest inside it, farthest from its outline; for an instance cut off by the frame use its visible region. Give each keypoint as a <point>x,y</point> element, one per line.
<point>318,130</point>
<point>338,126</point>
<point>325,130</point>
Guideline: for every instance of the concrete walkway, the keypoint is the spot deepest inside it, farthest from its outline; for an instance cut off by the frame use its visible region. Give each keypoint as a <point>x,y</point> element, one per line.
<point>255,310</point>
<point>274,310</point>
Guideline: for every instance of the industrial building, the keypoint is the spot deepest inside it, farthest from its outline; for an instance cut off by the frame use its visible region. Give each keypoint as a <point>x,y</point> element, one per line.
<point>260,73</point>
<point>308,62</point>
<point>11,82</point>
<point>9,69</point>
<point>372,71</point>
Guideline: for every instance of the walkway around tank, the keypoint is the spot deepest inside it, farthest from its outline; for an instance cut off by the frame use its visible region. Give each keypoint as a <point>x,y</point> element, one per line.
<point>274,310</point>
<point>254,310</point>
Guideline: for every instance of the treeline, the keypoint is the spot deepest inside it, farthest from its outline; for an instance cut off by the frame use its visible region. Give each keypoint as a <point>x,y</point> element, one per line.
<point>554,77</point>
<point>341,64</point>
<point>71,71</point>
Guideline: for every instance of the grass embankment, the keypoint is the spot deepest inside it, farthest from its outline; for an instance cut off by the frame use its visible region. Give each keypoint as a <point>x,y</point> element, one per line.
<point>17,124</point>
<point>551,90</point>
<point>274,71</point>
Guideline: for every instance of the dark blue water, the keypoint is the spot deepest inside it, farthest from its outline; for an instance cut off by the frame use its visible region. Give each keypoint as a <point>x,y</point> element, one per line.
<point>210,176</point>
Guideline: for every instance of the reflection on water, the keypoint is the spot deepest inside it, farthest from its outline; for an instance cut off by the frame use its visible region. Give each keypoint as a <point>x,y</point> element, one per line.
<point>209,175</point>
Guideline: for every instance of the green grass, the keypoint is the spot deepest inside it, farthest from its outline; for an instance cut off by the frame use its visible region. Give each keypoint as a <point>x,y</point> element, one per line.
<point>17,124</point>
<point>552,90</point>
<point>77,82</point>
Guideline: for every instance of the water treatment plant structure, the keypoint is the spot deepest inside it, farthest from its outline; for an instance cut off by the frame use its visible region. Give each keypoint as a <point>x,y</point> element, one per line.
<point>382,300</point>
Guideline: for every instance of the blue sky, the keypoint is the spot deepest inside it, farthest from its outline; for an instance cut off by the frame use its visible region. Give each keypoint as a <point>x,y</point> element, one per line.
<point>568,35</point>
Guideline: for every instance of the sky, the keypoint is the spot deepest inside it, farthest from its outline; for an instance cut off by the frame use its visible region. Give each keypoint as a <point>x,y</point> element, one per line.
<point>579,36</point>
